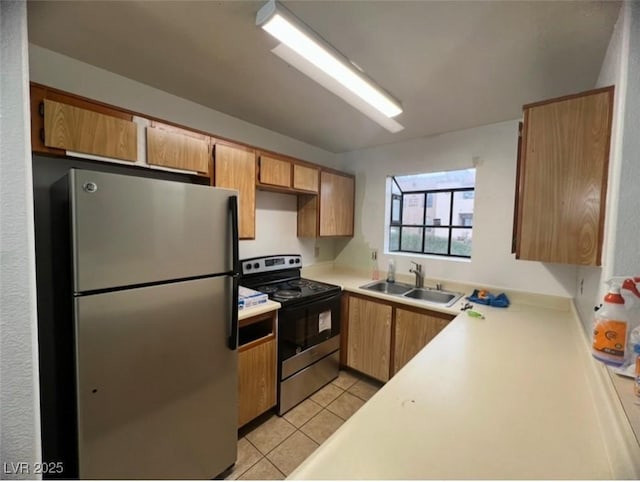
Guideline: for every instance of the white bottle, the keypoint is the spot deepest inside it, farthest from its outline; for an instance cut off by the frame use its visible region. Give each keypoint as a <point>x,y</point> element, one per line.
<point>391,271</point>
<point>610,329</point>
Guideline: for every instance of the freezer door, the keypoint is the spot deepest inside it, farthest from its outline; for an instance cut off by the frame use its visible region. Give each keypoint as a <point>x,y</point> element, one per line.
<point>129,230</point>
<point>156,382</point>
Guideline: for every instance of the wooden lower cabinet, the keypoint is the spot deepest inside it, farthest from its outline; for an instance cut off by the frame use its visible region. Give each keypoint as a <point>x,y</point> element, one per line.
<point>379,338</point>
<point>369,337</point>
<point>413,330</point>
<point>257,370</point>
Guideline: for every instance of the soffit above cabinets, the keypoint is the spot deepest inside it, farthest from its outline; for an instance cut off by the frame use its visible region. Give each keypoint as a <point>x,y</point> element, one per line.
<point>453,65</point>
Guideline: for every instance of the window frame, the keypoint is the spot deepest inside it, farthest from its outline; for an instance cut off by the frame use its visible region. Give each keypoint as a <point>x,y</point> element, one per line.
<point>449,227</point>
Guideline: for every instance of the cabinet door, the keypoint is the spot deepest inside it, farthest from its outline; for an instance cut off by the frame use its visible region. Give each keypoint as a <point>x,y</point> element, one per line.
<point>369,338</point>
<point>235,168</point>
<point>412,333</point>
<point>305,178</point>
<point>256,380</point>
<point>176,149</point>
<point>275,172</point>
<point>82,130</point>
<point>563,181</point>
<point>336,204</point>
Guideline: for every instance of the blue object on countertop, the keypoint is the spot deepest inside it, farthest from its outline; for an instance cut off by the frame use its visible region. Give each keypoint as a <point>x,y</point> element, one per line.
<point>500,301</point>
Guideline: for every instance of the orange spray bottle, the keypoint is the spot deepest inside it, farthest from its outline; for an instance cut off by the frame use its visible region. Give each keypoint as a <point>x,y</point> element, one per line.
<point>611,327</point>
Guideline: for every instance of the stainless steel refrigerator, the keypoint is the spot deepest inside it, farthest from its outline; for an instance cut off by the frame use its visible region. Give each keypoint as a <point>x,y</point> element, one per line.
<point>154,287</point>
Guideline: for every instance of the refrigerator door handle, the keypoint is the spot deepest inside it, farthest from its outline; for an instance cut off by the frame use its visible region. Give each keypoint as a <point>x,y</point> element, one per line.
<point>235,255</point>
<point>235,275</point>
<point>233,334</point>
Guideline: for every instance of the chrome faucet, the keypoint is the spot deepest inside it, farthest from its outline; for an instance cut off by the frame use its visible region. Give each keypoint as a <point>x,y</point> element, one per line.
<point>419,274</point>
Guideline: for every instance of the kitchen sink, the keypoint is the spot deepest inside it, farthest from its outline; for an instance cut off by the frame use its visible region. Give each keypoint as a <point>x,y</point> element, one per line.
<point>434,296</point>
<point>404,290</point>
<point>388,288</point>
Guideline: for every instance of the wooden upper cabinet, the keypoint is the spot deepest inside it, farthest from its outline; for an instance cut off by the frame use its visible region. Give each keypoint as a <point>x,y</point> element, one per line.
<point>413,331</point>
<point>563,178</point>
<point>81,130</point>
<point>235,168</point>
<point>286,175</point>
<point>305,178</point>
<point>336,204</point>
<point>331,212</point>
<point>275,172</point>
<point>169,146</point>
<point>369,337</point>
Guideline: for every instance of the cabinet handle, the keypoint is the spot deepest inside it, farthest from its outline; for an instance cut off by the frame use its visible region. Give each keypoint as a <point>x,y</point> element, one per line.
<point>42,134</point>
<point>41,109</point>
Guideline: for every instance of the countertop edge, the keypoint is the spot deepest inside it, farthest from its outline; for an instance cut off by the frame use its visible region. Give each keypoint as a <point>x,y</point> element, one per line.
<point>258,309</point>
<point>623,449</point>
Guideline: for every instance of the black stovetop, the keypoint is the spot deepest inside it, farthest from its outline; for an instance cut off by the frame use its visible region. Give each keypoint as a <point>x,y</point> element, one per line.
<point>288,288</point>
<point>279,277</point>
<point>298,289</point>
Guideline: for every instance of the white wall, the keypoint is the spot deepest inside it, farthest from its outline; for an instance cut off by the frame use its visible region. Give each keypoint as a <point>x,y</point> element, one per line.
<point>627,252</point>
<point>276,224</point>
<point>494,148</point>
<point>19,396</point>
<point>276,231</point>
<point>622,225</point>
<point>71,75</point>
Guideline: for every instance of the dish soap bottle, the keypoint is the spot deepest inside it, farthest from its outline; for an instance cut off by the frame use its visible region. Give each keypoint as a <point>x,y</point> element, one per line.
<point>375,272</point>
<point>610,329</point>
<point>391,271</point>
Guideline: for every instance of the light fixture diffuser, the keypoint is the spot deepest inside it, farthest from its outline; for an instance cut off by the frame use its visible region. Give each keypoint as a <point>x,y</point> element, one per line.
<point>335,71</point>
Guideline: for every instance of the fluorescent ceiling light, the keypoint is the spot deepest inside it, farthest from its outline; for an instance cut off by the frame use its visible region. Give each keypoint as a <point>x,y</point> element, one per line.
<point>331,84</point>
<point>303,44</point>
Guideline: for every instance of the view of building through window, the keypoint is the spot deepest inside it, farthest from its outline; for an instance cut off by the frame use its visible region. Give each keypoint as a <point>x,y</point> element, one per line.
<point>432,213</point>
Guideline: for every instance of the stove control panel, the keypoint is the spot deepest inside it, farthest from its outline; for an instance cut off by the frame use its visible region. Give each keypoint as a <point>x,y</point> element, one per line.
<point>266,264</point>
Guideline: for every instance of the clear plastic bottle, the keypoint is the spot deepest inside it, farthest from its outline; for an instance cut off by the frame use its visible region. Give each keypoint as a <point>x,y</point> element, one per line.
<point>391,271</point>
<point>610,329</point>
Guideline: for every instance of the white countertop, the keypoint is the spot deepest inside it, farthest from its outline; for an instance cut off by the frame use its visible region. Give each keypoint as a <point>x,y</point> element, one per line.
<point>258,309</point>
<point>509,397</point>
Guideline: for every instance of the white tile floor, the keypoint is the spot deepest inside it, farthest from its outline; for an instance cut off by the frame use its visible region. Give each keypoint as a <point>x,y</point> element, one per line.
<point>272,447</point>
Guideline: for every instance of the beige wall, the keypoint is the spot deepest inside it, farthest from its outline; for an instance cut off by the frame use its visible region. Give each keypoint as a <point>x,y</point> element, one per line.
<point>493,149</point>
<point>622,225</point>
<point>19,384</point>
<point>276,220</point>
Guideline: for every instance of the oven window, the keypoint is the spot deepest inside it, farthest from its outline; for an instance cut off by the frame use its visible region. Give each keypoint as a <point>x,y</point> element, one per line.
<point>300,328</point>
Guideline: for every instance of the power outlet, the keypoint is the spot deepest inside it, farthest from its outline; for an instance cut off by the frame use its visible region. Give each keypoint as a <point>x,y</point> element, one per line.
<point>316,252</point>
<point>374,254</point>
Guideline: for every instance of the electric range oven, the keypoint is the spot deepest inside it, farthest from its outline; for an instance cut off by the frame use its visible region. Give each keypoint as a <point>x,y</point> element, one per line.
<point>308,332</point>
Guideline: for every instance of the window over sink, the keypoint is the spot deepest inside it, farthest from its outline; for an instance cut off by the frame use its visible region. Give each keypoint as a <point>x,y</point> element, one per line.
<point>432,213</point>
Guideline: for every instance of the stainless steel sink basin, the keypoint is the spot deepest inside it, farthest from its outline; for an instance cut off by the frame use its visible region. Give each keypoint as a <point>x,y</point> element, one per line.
<point>447,298</point>
<point>388,288</point>
<point>404,290</point>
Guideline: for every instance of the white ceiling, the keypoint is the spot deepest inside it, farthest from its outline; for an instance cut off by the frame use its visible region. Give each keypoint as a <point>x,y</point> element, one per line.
<point>453,64</point>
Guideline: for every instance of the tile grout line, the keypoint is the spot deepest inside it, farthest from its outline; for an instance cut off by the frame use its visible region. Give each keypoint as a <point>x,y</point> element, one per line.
<point>299,429</point>
<point>249,468</point>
